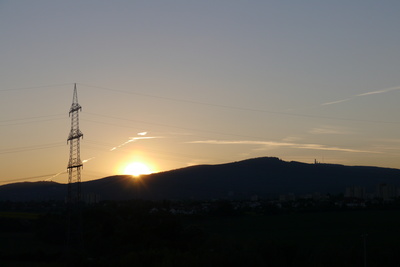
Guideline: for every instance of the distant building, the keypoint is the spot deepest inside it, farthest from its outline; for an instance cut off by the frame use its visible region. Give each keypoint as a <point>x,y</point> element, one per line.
<point>355,192</point>
<point>386,192</point>
<point>254,198</point>
<point>287,197</point>
<point>91,198</point>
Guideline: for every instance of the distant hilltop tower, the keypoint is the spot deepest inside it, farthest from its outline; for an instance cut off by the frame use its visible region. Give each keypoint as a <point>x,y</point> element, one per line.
<point>74,164</point>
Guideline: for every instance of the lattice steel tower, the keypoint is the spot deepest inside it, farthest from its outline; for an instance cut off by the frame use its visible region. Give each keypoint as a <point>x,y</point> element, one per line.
<point>75,163</point>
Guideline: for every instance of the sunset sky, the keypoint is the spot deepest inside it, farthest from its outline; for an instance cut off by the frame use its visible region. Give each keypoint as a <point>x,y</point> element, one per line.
<point>171,84</point>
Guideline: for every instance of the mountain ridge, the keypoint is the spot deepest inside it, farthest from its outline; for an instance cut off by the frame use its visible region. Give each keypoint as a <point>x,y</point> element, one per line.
<point>264,176</point>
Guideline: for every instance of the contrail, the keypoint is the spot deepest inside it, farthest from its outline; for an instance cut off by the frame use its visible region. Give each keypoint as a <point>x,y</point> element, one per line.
<point>121,145</point>
<point>64,171</point>
<point>336,102</point>
<point>55,175</point>
<point>363,94</point>
<point>380,91</point>
<point>133,139</point>
<point>86,160</point>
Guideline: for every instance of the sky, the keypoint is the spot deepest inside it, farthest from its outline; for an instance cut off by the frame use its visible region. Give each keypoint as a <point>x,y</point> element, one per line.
<point>175,83</point>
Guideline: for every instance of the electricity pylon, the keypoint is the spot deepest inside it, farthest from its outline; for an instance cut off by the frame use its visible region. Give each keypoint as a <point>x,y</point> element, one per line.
<point>75,164</point>
<point>74,234</point>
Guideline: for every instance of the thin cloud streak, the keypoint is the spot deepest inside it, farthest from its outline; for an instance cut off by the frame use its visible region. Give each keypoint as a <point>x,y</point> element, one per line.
<point>380,91</point>
<point>283,144</point>
<point>336,102</point>
<point>361,95</point>
<point>86,160</point>
<point>55,175</point>
<point>132,139</point>
<point>66,170</point>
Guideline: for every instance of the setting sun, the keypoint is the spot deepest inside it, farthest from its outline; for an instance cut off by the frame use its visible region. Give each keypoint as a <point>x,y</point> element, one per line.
<point>137,169</point>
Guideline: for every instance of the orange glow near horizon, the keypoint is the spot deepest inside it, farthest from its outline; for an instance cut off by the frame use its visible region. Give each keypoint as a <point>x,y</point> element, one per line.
<point>136,164</point>
<point>136,169</point>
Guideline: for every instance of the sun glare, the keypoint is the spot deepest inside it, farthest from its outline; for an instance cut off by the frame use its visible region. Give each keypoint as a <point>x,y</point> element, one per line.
<point>136,169</point>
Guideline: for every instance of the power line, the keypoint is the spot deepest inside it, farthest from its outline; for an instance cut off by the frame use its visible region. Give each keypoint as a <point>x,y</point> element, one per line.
<point>155,152</point>
<point>209,104</point>
<point>29,148</point>
<point>167,126</point>
<point>34,87</point>
<point>28,178</point>
<point>240,108</point>
<point>30,120</point>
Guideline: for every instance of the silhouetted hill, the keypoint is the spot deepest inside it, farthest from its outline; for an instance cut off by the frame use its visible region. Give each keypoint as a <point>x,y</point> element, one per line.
<point>27,191</point>
<point>261,176</point>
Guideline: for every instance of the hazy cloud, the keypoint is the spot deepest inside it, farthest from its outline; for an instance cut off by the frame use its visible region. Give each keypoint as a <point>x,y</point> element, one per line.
<point>329,130</point>
<point>291,139</point>
<point>282,144</point>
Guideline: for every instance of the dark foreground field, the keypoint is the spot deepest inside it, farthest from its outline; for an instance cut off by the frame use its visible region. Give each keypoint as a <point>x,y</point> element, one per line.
<point>137,234</point>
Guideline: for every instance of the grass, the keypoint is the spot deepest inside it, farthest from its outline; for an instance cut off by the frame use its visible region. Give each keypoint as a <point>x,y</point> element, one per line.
<point>308,225</point>
<point>286,239</point>
<point>19,215</point>
<point>313,235</point>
